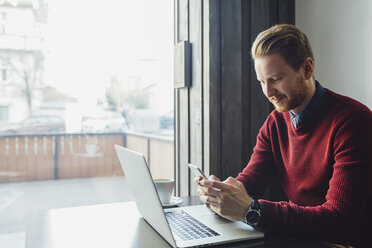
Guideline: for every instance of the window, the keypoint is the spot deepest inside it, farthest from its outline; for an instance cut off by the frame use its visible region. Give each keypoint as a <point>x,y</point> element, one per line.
<point>4,74</point>
<point>4,115</point>
<point>80,77</point>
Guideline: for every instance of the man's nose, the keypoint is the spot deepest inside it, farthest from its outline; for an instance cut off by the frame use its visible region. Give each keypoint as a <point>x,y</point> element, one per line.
<point>269,90</point>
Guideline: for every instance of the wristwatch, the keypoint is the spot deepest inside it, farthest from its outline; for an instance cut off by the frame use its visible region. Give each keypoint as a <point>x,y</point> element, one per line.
<point>253,214</point>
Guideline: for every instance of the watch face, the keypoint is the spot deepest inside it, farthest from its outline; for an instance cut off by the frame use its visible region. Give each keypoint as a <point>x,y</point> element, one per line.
<point>252,216</point>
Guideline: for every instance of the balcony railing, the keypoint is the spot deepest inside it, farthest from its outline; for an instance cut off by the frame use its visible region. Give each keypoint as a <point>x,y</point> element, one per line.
<point>48,157</point>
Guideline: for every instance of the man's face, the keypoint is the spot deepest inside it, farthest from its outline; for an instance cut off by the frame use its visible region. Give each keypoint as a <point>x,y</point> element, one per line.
<point>285,88</point>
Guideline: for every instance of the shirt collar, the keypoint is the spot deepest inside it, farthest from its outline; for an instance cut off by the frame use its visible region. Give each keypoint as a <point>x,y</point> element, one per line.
<point>313,106</point>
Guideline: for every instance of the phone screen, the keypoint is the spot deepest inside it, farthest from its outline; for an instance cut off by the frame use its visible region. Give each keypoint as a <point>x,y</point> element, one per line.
<point>197,171</point>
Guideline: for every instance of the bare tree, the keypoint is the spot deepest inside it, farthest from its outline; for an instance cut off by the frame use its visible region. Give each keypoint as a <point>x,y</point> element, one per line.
<point>28,67</point>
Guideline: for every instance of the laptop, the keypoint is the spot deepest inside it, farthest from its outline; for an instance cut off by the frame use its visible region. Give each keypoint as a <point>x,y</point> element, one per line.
<point>187,226</point>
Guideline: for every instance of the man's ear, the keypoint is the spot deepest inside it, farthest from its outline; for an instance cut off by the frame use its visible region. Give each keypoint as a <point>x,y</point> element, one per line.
<point>308,66</point>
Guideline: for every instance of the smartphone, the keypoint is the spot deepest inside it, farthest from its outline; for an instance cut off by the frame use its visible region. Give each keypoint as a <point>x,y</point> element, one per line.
<point>198,172</point>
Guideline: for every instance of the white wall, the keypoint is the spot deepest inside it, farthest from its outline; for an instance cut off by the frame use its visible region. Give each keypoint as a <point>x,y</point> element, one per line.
<point>340,32</point>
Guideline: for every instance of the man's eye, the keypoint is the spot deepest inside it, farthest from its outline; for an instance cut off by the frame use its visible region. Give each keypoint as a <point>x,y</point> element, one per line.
<point>276,79</point>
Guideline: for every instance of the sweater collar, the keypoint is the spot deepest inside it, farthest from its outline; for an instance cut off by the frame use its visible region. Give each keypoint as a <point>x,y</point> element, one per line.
<point>313,106</point>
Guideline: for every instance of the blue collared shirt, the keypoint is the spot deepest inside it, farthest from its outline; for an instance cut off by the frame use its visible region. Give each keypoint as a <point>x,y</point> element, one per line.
<point>313,106</point>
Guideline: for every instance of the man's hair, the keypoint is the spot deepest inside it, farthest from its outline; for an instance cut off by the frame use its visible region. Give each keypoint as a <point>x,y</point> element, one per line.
<point>284,39</point>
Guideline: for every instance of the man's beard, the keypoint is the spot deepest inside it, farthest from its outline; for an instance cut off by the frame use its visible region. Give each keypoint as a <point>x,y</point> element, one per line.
<point>298,95</point>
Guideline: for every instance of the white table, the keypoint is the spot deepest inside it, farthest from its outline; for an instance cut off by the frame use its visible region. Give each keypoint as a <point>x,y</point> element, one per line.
<point>105,226</point>
<point>118,225</point>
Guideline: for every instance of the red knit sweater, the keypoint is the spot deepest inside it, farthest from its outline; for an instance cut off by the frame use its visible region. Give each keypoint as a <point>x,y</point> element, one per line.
<point>325,168</point>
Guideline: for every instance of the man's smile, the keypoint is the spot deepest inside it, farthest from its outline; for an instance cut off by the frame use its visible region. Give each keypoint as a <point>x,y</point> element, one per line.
<point>276,99</point>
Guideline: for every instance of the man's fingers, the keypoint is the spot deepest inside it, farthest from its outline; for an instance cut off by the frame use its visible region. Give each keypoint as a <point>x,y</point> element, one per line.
<point>215,184</point>
<point>208,191</point>
<point>211,201</point>
<point>211,177</point>
<point>199,192</point>
<point>233,181</point>
<point>214,178</point>
<point>197,179</point>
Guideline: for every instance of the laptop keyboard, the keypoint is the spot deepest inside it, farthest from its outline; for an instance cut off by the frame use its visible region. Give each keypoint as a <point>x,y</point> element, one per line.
<point>187,227</point>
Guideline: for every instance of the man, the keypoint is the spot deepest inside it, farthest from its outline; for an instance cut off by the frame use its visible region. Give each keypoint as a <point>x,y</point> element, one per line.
<point>318,143</point>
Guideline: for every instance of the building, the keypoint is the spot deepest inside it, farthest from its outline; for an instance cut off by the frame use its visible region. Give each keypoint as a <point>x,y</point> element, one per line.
<point>22,25</point>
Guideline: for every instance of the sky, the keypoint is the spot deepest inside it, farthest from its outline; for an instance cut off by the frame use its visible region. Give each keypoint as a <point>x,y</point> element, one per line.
<point>88,42</point>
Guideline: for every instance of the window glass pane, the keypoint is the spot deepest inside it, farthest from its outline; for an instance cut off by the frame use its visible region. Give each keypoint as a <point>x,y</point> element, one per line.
<point>4,115</point>
<point>78,77</point>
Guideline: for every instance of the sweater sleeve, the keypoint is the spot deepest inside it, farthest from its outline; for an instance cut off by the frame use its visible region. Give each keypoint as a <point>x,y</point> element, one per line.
<point>257,175</point>
<point>346,213</point>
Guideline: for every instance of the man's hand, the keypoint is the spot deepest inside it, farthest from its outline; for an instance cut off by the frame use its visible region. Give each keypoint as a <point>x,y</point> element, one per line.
<point>228,198</point>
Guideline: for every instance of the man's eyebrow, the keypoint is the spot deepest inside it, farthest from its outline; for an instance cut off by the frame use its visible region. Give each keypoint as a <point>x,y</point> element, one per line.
<point>274,75</point>
<point>280,74</point>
